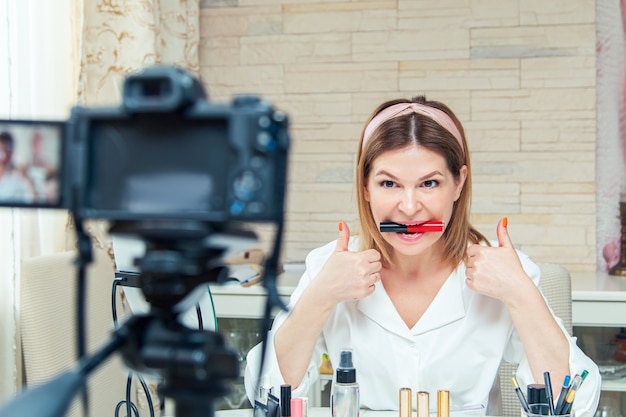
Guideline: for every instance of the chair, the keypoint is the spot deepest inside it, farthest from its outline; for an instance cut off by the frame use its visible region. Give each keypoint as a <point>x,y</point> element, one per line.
<point>556,286</point>
<point>48,325</point>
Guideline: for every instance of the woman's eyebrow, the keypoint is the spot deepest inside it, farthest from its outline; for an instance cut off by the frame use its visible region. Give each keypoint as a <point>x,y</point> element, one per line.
<point>422,178</point>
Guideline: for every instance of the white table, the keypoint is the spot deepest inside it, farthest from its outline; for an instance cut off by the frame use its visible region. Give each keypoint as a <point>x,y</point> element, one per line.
<point>325,412</point>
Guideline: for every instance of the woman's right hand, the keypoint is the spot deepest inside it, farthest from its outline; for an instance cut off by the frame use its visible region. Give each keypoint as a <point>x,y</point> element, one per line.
<point>348,275</point>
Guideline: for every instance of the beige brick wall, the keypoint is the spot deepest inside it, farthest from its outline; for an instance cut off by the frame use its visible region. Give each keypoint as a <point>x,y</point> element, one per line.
<point>520,74</point>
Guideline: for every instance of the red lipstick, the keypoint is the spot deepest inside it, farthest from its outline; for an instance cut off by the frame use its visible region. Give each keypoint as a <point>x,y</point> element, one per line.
<point>434,226</point>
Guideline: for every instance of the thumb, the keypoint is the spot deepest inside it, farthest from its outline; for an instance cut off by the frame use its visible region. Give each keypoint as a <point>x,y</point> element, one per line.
<point>344,237</point>
<point>504,240</point>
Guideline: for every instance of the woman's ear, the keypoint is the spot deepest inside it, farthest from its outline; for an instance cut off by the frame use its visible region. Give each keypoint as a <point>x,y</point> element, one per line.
<point>460,182</point>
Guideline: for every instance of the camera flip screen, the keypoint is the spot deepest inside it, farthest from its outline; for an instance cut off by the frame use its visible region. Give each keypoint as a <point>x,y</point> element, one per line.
<point>153,167</point>
<point>31,163</point>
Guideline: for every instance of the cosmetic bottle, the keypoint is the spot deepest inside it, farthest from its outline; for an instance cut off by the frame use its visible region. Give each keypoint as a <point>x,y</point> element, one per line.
<point>345,389</point>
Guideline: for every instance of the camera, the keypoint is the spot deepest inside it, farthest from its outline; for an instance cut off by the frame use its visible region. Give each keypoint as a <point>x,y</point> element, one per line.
<point>183,175</point>
<point>165,153</point>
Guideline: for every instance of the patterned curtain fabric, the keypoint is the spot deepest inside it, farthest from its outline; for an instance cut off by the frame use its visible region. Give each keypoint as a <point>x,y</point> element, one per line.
<point>120,37</point>
<point>123,36</point>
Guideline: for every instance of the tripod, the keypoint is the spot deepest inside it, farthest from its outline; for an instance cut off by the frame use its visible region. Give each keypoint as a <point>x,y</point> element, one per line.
<point>193,365</point>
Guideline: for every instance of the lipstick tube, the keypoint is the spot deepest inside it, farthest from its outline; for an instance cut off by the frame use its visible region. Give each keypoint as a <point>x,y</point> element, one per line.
<point>423,404</point>
<point>297,407</point>
<point>443,403</point>
<point>406,406</point>
<point>285,400</point>
<point>434,226</point>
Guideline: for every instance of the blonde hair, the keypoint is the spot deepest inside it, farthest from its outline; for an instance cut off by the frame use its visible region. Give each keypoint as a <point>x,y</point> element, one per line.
<point>418,129</point>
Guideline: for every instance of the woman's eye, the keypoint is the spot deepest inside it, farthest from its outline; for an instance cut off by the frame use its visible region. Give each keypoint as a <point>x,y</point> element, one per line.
<point>430,183</point>
<point>387,184</point>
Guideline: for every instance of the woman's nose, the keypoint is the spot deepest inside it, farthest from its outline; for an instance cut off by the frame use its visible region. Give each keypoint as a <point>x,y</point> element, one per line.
<point>410,202</point>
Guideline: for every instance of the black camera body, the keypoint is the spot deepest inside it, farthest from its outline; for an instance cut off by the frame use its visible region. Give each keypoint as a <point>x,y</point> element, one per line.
<point>165,153</point>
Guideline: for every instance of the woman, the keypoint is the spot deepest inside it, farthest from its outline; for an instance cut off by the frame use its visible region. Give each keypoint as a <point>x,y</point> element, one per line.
<point>430,310</point>
<point>15,188</point>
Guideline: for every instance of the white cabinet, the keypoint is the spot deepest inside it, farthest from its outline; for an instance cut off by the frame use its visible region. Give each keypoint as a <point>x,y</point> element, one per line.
<point>235,301</point>
<point>598,299</point>
<point>239,310</point>
<point>241,302</point>
<point>599,308</point>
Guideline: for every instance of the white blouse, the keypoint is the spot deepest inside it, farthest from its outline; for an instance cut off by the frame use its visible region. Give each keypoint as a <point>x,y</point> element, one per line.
<point>457,345</point>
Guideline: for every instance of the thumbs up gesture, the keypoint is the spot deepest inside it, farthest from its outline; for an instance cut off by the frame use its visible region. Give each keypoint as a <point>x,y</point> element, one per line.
<point>349,275</point>
<point>496,271</point>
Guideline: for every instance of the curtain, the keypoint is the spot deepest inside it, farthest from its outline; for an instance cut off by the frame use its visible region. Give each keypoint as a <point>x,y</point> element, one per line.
<point>55,54</point>
<point>37,82</point>
<point>611,129</point>
<point>120,37</point>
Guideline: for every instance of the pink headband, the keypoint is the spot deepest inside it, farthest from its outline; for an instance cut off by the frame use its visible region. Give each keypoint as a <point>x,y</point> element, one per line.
<point>400,109</point>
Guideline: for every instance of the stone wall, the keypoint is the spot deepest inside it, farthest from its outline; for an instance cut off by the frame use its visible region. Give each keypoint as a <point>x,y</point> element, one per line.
<point>520,74</point>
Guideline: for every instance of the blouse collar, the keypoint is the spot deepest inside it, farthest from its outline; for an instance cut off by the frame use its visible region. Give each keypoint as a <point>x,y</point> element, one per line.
<point>447,306</point>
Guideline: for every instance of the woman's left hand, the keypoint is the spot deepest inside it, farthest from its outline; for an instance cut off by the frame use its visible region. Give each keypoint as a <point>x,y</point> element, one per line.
<point>496,271</point>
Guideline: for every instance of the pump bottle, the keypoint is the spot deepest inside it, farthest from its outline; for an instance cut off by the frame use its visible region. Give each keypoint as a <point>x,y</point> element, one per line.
<point>345,390</point>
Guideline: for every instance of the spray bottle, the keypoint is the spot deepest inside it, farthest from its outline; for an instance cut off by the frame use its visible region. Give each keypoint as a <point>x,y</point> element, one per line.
<point>345,392</point>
